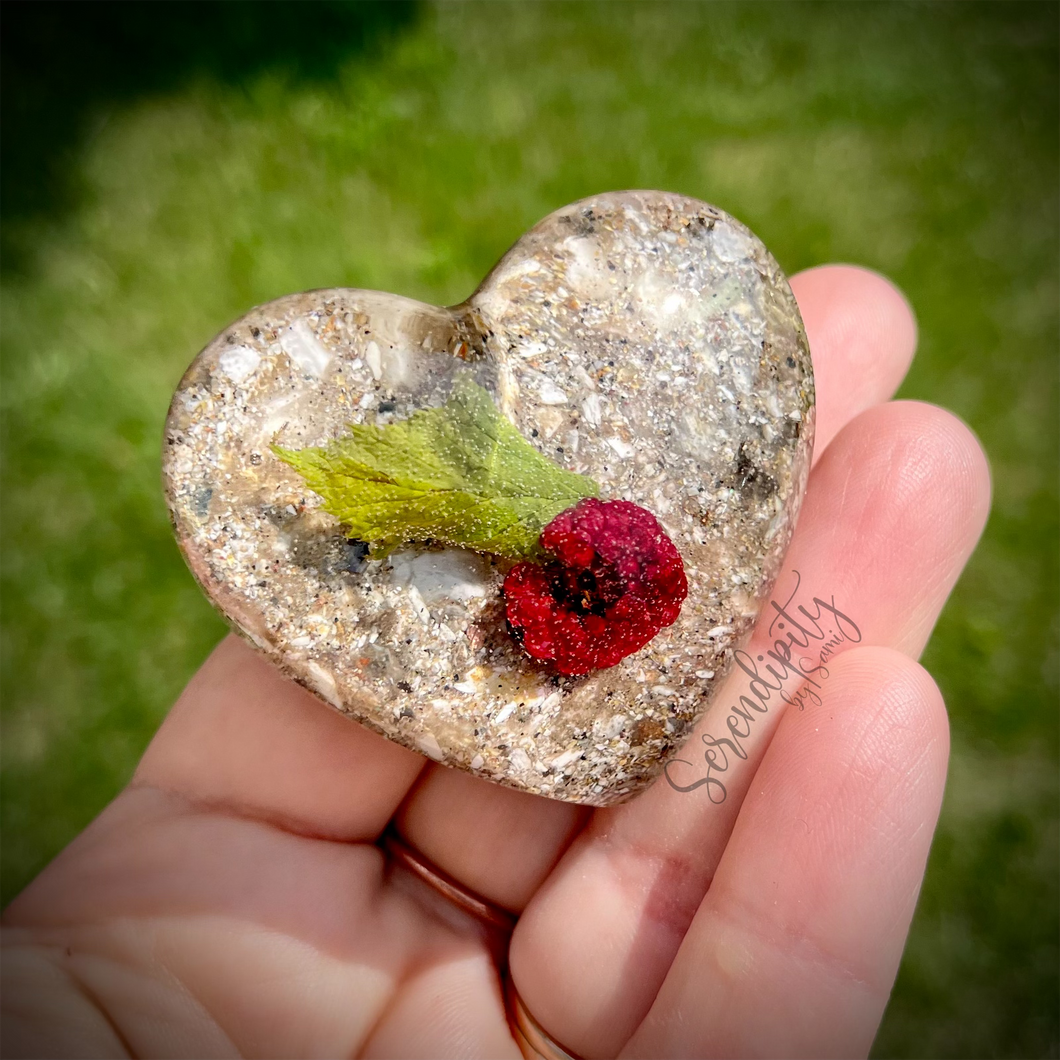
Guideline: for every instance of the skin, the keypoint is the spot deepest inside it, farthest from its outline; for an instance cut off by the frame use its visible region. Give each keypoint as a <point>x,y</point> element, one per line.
<point>232,900</point>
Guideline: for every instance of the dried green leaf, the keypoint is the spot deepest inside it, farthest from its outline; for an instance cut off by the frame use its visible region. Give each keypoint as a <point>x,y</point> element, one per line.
<point>460,475</point>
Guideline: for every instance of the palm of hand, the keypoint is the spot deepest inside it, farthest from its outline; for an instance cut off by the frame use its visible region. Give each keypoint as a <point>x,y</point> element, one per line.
<point>233,900</point>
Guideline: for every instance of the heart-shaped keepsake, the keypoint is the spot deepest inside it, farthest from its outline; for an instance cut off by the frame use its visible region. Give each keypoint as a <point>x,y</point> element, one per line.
<point>637,347</point>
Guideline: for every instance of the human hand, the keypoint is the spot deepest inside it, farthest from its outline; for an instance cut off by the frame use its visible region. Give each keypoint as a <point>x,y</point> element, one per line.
<point>234,899</point>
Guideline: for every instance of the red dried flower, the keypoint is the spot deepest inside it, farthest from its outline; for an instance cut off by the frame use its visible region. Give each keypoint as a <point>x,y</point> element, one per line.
<point>617,579</point>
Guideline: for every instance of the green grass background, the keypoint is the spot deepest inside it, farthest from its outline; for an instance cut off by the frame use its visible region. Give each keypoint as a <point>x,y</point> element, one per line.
<point>161,177</point>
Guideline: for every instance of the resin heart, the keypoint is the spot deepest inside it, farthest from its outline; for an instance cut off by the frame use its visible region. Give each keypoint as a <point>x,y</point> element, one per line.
<point>647,340</point>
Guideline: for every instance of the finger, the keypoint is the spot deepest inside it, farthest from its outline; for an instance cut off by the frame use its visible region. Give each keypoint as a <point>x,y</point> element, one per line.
<point>502,844</point>
<point>892,513</point>
<point>450,1008</point>
<point>862,336</point>
<point>498,842</point>
<point>244,737</point>
<point>796,945</point>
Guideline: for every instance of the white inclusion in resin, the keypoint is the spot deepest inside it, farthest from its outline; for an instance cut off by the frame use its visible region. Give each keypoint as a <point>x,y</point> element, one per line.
<point>401,368</point>
<point>587,269</point>
<point>551,394</point>
<point>592,410</point>
<point>730,244</point>
<point>324,682</point>
<point>238,363</point>
<point>374,359</point>
<point>428,744</point>
<point>451,574</point>
<point>305,350</point>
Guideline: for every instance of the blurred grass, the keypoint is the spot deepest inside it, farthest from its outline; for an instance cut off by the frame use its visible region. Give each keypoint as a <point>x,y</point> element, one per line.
<point>919,140</point>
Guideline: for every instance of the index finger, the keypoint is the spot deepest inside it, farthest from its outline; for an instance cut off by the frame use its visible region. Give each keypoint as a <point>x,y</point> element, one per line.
<point>245,738</point>
<point>862,334</point>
